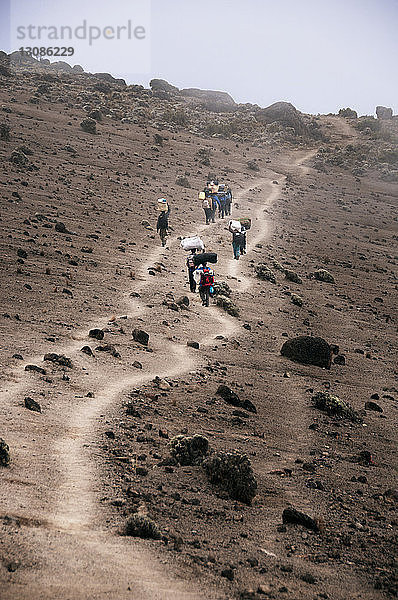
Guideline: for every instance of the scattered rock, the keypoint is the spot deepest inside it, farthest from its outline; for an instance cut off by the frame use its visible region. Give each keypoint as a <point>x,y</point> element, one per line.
<point>61,228</point>
<point>263,272</point>
<point>333,406</point>
<point>348,113</point>
<point>228,305</point>
<point>253,165</point>
<point>228,573</point>
<point>339,360</point>
<point>142,526</point>
<point>308,350</point>
<point>183,182</point>
<point>297,300</point>
<point>4,453</point>
<point>193,345</point>
<point>141,337</point>
<point>87,350</point>
<point>231,397</point>
<point>137,364</point>
<point>323,275</point>
<point>292,276</point>
<point>189,450</point>
<point>36,369</point>
<point>89,125</point>
<point>291,515</point>
<point>31,404</point>
<point>60,359</point>
<point>97,334</point>
<point>110,349</point>
<point>221,288</point>
<point>373,406</point>
<point>232,472</point>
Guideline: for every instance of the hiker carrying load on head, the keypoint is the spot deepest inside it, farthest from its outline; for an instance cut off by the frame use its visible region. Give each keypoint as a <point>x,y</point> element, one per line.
<point>204,197</point>
<point>243,241</point>
<point>163,220</point>
<point>191,269</point>
<point>204,277</point>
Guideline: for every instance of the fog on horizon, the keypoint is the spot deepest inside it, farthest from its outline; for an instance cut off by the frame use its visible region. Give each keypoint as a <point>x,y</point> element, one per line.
<point>321,55</point>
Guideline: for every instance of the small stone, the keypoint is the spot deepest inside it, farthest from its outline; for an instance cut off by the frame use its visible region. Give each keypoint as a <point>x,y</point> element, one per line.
<point>140,336</point>
<point>373,406</point>
<point>97,334</point>
<point>4,453</point>
<point>193,345</point>
<point>31,404</point>
<point>36,369</point>
<point>137,364</point>
<point>87,350</point>
<point>228,574</point>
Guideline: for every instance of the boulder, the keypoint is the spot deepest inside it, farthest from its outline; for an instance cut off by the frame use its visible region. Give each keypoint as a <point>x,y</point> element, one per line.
<point>323,275</point>
<point>285,114</point>
<point>263,272</point>
<point>89,125</point>
<point>292,276</point>
<point>233,472</point>
<point>227,304</point>
<point>308,350</point>
<point>297,300</point>
<point>31,404</point>
<point>291,515</point>
<point>4,453</point>
<point>211,98</point>
<point>140,336</point>
<point>231,397</point>
<point>383,113</point>
<point>189,450</point>
<point>334,406</point>
<point>161,85</point>
<point>107,77</point>
<point>348,113</point>
<point>60,359</point>
<point>97,334</point>
<point>142,526</point>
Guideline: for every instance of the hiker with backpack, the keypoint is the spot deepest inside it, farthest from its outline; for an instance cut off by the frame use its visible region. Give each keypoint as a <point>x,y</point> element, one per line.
<point>242,248</point>
<point>238,241</point>
<point>204,277</point>
<point>206,204</point>
<point>215,204</point>
<point>191,270</point>
<point>163,225</point>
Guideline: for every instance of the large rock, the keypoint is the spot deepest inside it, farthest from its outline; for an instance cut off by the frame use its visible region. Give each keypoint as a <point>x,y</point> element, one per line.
<point>161,85</point>
<point>210,98</point>
<point>334,406</point>
<point>107,77</point>
<point>308,350</point>
<point>231,397</point>
<point>383,112</point>
<point>285,114</point>
<point>189,450</point>
<point>4,453</point>
<point>140,336</point>
<point>233,472</point>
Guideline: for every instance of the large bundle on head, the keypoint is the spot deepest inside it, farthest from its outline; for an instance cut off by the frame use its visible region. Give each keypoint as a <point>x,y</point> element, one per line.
<point>234,226</point>
<point>192,243</point>
<point>205,257</point>
<point>246,222</point>
<point>162,205</point>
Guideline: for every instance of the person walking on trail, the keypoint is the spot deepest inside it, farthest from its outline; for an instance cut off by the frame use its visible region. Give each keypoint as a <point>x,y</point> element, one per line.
<point>214,206</point>
<point>242,248</point>
<point>228,201</point>
<point>163,225</point>
<point>204,277</point>
<point>238,240</point>
<point>191,269</point>
<point>223,205</point>
<point>207,208</point>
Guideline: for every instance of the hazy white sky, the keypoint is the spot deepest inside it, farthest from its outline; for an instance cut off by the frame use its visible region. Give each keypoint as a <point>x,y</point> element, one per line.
<point>320,55</point>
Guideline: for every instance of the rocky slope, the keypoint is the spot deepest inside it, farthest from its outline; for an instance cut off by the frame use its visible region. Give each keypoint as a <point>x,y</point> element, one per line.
<point>90,428</point>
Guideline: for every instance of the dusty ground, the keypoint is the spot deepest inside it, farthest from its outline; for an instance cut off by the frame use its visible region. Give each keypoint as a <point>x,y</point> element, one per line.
<point>73,476</point>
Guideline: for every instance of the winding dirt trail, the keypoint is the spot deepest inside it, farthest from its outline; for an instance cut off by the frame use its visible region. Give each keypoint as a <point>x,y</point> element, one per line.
<point>76,557</point>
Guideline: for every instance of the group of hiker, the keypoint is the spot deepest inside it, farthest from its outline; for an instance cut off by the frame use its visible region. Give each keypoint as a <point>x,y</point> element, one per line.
<point>216,198</point>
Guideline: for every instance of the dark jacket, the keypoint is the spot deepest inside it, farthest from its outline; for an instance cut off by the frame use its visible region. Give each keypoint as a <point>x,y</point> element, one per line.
<point>163,220</point>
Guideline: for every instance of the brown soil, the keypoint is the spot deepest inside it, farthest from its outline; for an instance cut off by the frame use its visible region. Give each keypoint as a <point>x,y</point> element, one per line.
<point>72,483</point>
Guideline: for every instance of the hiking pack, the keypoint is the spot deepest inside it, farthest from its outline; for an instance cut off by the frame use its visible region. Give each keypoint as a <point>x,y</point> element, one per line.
<point>192,243</point>
<point>206,277</point>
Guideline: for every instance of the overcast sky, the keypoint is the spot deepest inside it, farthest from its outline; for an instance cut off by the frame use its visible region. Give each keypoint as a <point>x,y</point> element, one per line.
<point>320,55</point>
